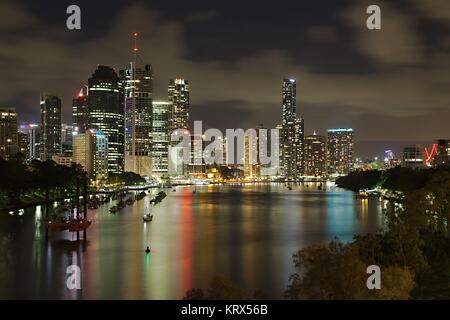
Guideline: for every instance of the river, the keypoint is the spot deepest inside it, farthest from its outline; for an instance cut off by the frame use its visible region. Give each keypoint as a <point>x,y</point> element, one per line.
<point>246,233</point>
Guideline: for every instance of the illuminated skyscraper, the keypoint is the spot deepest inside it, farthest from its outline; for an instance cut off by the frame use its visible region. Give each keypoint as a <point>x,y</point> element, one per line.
<point>340,146</point>
<point>106,113</point>
<point>23,139</point>
<point>138,92</point>
<point>315,156</point>
<point>250,155</point>
<point>179,98</point>
<point>160,135</point>
<point>80,112</point>
<point>51,126</point>
<point>289,94</point>
<point>66,139</point>
<point>90,150</point>
<point>9,140</point>
<point>34,142</point>
<point>292,133</point>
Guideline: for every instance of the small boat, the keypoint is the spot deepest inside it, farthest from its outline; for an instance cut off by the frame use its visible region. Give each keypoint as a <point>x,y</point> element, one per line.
<point>56,224</point>
<point>162,194</point>
<point>77,225</point>
<point>61,224</point>
<point>129,201</point>
<point>147,217</point>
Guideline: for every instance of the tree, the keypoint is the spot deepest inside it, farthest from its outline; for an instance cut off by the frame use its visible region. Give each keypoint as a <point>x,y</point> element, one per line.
<point>327,271</point>
<point>359,180</point>
<point>194,294</point>
<point>220,288</point>
<point>336,271</point>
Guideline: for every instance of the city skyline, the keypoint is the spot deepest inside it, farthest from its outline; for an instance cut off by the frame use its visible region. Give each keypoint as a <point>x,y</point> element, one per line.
<point>354,89</point>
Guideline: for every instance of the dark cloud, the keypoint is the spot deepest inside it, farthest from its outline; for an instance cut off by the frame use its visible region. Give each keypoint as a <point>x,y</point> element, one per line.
<point>220,114</point>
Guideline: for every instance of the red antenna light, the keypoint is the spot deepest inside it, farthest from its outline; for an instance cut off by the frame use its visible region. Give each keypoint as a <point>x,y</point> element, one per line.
<point>135,49</point>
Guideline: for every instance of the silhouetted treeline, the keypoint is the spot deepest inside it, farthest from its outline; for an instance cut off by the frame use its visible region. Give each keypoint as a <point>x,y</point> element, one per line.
<point>398,178</point>
<point>358,180</point>
<point>21,182</point>
<point>37,179</point>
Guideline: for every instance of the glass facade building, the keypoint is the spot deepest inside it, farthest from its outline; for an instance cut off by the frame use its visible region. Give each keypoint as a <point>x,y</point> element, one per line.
<point>51,126</point>
<point>106,114</point>
<point>340,144</point>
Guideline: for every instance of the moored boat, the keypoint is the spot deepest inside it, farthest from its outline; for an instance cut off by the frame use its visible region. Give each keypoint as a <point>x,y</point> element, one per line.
<point>77,225</point>
<point>147,217</point>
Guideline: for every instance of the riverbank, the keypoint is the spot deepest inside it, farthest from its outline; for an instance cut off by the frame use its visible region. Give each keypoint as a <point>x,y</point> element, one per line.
<point>41,201</point>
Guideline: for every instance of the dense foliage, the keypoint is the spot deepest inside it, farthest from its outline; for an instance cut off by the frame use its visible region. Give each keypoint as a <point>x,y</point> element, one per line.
<point>20,181</point>
<point>358,180</point>
<point>399,178</point>
<point>126,178</point>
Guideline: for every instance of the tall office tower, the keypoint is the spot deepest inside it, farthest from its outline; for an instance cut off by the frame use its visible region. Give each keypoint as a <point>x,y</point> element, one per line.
<point>443,152</point>
<point>66,139</point>
<point>34,142</point>
<point>196,165</point>
<point>289,93</point>
<point>161,138</point>
<point>106,114</point>
<point>9,139</point>
<point>340,150</point>
<point>250,156</point>
<point>223,141</point>
<point>138,124</point>
<point>292,133</point>
<point>279,150</point>
<point>23,139</point>
<point>179,98</point>
<point>50,126</point>
<point>265,150</point>
<point>80,112</point>
<point>315,155</point>
<point>413,157</point>
<point>259,150</point>
<point>90,150</point>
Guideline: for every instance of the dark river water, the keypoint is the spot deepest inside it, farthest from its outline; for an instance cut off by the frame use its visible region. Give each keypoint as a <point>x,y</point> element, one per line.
<point>246,233</point>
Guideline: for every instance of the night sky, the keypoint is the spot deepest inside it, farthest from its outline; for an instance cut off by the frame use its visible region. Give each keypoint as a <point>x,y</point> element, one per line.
<point>389,85</point>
